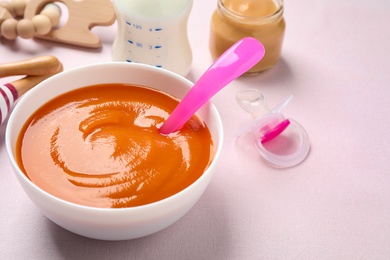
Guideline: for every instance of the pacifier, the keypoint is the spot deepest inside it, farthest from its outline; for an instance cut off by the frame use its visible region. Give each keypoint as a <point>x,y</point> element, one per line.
<point>281,141</point>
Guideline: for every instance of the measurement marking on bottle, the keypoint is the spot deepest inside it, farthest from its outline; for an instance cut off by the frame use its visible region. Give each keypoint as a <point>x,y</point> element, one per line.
<point>158,29</point>
<point>129,61</point>
<point>158,46</point>
<point>159,66</point>
<point>137,44</point>
<point>133,25</point>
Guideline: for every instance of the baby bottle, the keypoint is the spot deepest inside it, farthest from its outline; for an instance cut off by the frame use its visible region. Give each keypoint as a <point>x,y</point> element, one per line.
<point>153,32</point>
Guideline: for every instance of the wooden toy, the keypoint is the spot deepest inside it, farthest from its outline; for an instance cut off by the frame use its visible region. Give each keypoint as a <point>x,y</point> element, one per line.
<point>40,24</point>
<point>83,15</point>
<point>41,20</point>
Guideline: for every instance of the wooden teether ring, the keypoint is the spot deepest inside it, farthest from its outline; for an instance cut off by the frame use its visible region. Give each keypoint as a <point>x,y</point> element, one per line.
<point>83,15</point>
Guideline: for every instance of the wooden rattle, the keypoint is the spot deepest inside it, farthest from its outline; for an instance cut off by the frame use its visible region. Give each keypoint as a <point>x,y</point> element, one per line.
<point>41,20</point>
<point>83,16</point>
<point>40,24</point>
<point>36,69</point>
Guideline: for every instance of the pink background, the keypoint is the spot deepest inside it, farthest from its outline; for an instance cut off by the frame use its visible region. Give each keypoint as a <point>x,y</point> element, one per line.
<point>335,205</point>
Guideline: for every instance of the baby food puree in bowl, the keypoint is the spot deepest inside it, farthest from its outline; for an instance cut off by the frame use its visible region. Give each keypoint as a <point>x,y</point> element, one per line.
<point>85,147</point>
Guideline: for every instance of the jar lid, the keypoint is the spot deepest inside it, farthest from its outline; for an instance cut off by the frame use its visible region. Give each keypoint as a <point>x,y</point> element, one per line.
<point>281,141</point>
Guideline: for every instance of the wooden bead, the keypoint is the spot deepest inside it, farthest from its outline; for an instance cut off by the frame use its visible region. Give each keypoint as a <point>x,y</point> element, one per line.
<point>25,29</point>
<point>53,12</point>
<point>54,7</point>
<point>8,29</point>
<point>4,15</point>
<point>19,6</point>
<point>41,24</point>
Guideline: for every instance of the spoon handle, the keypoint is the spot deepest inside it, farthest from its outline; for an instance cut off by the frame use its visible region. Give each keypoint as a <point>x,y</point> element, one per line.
<point>41,65</point>
<point>24,84</point>
<point>234,62</point>
<point>10,92</point>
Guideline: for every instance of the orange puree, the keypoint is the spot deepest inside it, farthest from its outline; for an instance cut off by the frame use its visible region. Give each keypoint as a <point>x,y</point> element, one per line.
<point>100,146</point>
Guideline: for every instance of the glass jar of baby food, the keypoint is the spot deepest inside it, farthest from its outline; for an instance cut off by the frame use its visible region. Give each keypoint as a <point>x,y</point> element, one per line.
<point>261,19</point>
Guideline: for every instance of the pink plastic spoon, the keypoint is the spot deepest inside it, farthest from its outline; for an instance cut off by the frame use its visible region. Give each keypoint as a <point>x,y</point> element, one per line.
<point>234,62</point>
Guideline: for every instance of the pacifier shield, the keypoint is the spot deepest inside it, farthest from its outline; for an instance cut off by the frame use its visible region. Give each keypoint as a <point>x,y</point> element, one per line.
<point>281,141</point>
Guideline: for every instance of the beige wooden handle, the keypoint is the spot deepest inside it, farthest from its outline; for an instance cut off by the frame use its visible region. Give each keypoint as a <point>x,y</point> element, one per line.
<point>10,92</point>
<point>42,65</point>
<point>24,84</point>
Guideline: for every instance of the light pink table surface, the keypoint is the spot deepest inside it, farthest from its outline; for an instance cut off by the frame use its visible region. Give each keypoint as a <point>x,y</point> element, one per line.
<point>335,205</point>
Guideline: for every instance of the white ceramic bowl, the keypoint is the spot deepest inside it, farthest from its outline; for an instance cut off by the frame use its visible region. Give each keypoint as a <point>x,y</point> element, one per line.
<point>105,223</point>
